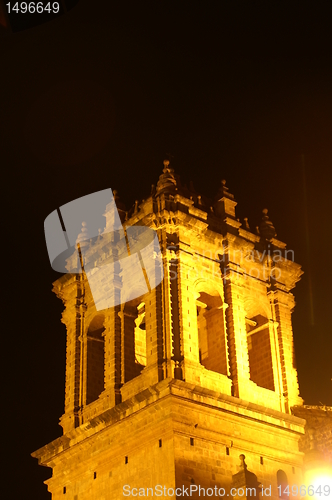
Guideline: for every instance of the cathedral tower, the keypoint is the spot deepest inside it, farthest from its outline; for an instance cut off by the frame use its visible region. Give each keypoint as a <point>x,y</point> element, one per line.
<point>172,387</point>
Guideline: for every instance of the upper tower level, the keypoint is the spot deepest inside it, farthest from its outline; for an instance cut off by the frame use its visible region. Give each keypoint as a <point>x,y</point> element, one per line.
<point>220,318</point>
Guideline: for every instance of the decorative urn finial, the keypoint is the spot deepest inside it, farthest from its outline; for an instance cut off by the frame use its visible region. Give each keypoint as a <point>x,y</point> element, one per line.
<point>225,203</point>
<point>167,181</point>
<point>243,464</point>
<point>266,228</point>
<point>83,237</point>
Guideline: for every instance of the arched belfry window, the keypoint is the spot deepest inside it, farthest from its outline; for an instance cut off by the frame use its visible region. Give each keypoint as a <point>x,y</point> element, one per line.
<point>95,358</point>
<point>134,338</point>
<point>259,351</point>
<point>140,336</point>
<point>211,332</point>
<point>282,484</point>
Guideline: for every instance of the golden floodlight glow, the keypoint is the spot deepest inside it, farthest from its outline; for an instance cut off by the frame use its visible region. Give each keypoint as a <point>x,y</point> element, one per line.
<point>325,481</point>
<point>319,483</point>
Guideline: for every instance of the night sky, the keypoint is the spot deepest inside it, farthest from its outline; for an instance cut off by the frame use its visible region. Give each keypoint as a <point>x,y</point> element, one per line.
<point>97,98</point>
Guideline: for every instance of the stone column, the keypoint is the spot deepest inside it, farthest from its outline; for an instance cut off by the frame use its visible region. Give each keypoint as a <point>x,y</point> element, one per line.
<point>188,313</point>
<point>237,333</point>
<point>168,255</point>
<point>176,340</point>
<point>71,293</point>
<point>171,306</point>
<point>154,335</point>
<point>283,304</point>
<point>154,318</point>
<point>113,348</point>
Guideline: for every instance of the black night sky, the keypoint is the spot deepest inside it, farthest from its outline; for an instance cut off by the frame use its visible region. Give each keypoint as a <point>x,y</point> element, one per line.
<point>96,98</point>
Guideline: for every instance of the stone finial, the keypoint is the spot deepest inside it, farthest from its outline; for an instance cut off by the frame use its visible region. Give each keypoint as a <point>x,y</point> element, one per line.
<point>266,228</point>
<point>83,237</point>
<point>246,223</point>
<point>245,479</point>
<point>223,191</point>
<point>243,464</point>
<point>225,204</point>
<point>167,181</point>
<point>120,205</point>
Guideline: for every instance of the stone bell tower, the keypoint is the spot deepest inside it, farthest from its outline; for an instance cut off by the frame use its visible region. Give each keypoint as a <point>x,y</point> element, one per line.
<point>168,389</point>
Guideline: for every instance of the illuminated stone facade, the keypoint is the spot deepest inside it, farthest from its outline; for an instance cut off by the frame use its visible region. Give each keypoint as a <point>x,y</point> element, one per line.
<point>171,388</point>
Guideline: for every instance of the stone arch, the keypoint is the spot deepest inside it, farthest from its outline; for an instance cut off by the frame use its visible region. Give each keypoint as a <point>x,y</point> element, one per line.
<point>95,358</point>
<point>257,306</point>
<point>212,342</point>
<point>209,286</point>
<point>134,357</point>
<point>133,293</point>
<point>282,481</point>
<point>258,315</point>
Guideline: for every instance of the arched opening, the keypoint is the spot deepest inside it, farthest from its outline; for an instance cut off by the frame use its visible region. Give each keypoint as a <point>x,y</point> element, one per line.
<point>211,332</point>
<point>282,484</point>
<point>259,351</point>
<point>95,359</point>
<point>134,344</point>
<point>140,335</point>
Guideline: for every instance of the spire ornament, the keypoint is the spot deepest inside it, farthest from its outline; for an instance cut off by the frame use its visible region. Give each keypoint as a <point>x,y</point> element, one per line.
<point>223,191</point>
<point>266,228</point>
<point>121,207</point>
<point>167,182</point>
<point>83,237</point>
<point>225,203</point>
<point>245,479</point>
